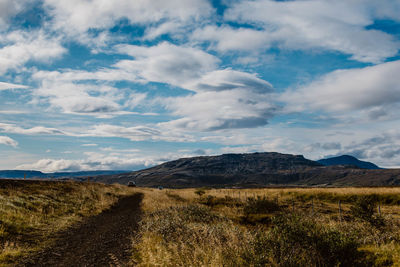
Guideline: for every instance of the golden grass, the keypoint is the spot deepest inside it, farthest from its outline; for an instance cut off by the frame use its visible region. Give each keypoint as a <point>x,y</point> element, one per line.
<point>30,212</point>
<point>223,243</point>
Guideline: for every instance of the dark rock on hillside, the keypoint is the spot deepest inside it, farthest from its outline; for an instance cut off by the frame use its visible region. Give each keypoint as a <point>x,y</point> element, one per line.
<point>348,160</point>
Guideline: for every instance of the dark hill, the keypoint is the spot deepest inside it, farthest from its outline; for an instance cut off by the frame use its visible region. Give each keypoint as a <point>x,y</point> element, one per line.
<point>348,160</point>
<point>253,170</point>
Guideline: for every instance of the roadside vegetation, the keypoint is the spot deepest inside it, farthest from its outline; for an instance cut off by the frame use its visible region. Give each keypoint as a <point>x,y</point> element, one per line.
<point>32,211</point>
<point>269,227</point>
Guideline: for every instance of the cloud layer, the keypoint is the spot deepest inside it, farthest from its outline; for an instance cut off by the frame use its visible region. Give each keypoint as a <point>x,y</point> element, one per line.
<point>120,84</point>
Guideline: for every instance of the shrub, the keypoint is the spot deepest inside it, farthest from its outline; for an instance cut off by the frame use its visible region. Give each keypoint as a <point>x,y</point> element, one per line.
<point>173,223</point>
<point>260,205</point>
<point>212,201</point>
<point>364,209</point>
<point>296,241</point>
<point>199,192</point>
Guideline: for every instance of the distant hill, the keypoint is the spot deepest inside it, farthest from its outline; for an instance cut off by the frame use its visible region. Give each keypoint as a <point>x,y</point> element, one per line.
<point>348,160</point>
<point>253,170</point>
<point>38,174</point>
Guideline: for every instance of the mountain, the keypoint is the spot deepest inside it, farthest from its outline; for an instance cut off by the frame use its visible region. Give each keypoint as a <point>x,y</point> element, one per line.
<point>226,169</point>
<point>348,160</point>
<point>37,174</point>
<point>253,170</point>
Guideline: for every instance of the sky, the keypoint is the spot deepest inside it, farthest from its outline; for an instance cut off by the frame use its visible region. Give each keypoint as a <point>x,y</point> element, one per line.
<point>124,85</point>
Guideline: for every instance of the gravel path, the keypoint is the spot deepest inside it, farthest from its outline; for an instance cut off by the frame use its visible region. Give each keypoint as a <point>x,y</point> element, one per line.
<point>102,240</point>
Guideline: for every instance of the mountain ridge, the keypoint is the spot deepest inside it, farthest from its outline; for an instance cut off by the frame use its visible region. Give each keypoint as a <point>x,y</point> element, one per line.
<point>348,160</point>
<point>253,170</point>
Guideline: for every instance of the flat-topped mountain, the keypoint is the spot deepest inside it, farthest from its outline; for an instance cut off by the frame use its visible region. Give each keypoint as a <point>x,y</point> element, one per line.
<point>226,169</point>
<point>348,160</point>
<point>255,169</point>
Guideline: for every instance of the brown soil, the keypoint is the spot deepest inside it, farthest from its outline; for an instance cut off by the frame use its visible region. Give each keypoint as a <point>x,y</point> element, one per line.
<point>102,240</point>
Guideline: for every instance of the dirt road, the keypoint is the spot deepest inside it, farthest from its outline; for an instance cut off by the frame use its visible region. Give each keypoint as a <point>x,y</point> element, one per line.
<point>102,240</point>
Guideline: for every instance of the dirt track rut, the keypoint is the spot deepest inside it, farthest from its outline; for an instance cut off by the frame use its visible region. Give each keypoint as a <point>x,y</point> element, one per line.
<point>102,240</point>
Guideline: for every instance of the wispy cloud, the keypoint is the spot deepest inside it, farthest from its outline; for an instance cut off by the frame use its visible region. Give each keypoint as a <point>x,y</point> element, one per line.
<point>5,140</point>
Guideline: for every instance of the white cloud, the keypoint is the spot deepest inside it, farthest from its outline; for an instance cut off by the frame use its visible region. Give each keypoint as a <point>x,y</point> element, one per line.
<point>80,98</point>
<point>207,111</point>
<point>6,86</point>
<point>37,130</point>
<point>5,140</point>
<point>9,8</point>
<point>166,63</point>
<point>164,28</point>
<point>19,47</point>
<point>136,133</point>
<point>93,161</point>
<point>228,79</point>
<point>351,89</point>
<point>77,16</point>
<point>226,38</point>
<point>88,145</point>
<point>224,99</point>
<point>331,25</point>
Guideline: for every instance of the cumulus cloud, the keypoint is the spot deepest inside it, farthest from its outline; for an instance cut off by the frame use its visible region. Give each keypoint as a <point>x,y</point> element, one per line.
<point>76,17</point>
<point>19,47</point>
<point>80,98</point>
<point>373,87</point>
<point>8,9</point>
<point>384,146</point>
<point>163,63</point>
<point>99,161</point>
<point>223,98</point>
<point>5,140</point>
<point>216,110</point>
<point>332,25</point>
<point>166,63</point>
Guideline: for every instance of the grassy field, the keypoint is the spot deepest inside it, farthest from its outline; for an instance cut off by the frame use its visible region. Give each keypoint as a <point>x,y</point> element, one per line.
<point>270,227</point>
<point>31,212</point>
<point>216,227</point>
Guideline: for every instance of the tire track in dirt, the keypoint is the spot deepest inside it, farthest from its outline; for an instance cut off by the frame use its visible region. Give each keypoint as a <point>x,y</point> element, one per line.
<point>101,240</point>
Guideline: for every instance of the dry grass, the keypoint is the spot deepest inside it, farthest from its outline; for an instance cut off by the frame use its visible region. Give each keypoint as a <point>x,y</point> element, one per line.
<point>30,211</point>
<point>173,235</point>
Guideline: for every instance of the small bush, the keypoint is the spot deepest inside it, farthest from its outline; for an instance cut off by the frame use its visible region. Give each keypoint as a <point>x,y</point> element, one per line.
<point>364,209</point>
<point>200,192</point>
<point>296,241</point>
<point>173,223</point>
<point>176,197</point>
<point>260,205</point>
<point>212,201</point>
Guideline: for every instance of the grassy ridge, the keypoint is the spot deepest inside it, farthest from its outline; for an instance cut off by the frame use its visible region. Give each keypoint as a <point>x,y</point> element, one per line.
<point>269,227</point>
<point>31,211</point>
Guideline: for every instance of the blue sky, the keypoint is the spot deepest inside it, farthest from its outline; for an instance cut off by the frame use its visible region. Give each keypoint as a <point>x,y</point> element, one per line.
<point>96,84</point>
